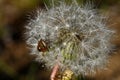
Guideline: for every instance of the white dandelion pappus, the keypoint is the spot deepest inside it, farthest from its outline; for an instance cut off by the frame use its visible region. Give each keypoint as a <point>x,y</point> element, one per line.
<point>76,37</point>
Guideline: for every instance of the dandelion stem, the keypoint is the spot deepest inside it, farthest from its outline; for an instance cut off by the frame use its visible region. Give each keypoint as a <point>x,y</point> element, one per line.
<point>54,72</point>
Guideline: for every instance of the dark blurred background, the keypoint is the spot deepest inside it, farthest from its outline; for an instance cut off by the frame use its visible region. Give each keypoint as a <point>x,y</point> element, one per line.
<point>15,61</point>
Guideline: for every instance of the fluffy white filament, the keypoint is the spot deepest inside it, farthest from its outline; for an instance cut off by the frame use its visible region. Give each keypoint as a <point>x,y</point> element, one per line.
<point>77,37</point>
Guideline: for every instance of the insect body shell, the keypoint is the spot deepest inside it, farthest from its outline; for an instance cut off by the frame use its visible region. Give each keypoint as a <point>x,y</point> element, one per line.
<point>42,46</point>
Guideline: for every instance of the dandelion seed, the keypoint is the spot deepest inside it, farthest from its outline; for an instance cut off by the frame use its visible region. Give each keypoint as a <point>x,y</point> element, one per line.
<point>56,28</point>
<point>64,43</point>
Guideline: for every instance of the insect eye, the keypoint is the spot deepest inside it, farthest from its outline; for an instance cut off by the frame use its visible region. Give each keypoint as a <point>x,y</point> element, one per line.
<point>42,47</point>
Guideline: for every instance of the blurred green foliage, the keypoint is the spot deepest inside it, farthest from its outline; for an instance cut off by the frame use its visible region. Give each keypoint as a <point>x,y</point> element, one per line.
<point>5,68</point>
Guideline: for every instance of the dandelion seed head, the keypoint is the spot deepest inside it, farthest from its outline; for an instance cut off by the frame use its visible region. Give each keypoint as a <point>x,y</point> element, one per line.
<point>76,37</point>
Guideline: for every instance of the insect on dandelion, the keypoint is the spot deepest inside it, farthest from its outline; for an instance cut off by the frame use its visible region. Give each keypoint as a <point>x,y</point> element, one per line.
<point>74,37</point>
<point>42,46</point>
